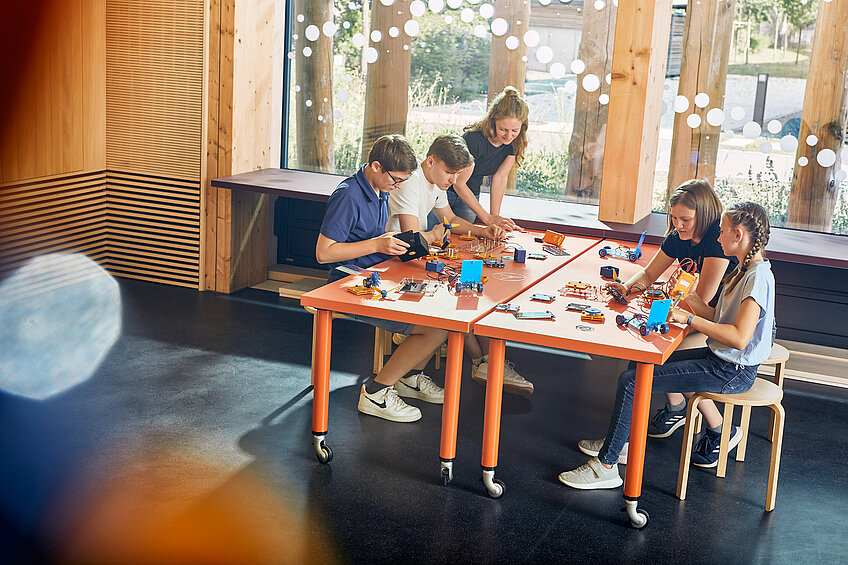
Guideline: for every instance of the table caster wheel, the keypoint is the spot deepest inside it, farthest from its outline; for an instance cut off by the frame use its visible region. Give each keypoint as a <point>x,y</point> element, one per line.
<point>447,476</point>
<point>641,520</point>
<point>497,489</point>
<point>323,452</point>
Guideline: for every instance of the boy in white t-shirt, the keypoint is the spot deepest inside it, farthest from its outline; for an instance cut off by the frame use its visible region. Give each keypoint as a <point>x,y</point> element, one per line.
<point>426,191</point>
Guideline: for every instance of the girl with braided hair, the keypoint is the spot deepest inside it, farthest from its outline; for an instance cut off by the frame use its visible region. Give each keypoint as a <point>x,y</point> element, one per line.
<point>739,338</point>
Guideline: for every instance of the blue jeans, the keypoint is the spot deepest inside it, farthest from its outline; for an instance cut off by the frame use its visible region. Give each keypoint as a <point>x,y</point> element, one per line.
<point>459,208</point>
<point>691,370</point>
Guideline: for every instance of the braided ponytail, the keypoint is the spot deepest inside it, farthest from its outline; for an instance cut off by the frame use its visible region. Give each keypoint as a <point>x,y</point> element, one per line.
<point>754,219</point>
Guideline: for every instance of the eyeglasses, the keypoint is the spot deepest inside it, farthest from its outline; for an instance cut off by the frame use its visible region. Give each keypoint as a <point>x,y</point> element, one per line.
<point>397,181</point>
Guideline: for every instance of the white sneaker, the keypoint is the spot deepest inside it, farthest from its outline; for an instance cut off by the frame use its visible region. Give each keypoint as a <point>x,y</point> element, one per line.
<point>422,387</point>
<point>386,404</point>
<point>592,475</point>
<point>512,381</point>
<point>593,446</point>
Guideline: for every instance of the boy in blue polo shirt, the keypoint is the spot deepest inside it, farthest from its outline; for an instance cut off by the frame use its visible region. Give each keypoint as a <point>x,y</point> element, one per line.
<point>353,232</point>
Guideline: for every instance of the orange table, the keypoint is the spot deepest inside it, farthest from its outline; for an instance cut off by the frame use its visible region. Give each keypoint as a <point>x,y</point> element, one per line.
<point>444,310</point>
<point>565,332</point>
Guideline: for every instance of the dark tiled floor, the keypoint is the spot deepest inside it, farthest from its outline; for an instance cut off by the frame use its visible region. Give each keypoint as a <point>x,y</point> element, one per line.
<point>221,382</point>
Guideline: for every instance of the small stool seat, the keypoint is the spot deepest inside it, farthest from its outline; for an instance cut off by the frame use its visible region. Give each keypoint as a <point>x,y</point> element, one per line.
<point>762,393</point>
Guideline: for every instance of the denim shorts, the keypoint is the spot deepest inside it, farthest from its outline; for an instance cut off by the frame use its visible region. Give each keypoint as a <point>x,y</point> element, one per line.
<point>387,325</point>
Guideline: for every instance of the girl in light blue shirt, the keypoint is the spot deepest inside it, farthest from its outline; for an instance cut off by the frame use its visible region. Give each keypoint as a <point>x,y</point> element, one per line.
<point>739,332</point>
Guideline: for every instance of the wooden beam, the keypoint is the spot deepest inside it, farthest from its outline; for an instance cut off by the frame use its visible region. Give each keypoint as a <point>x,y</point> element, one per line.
<point>813,195</point>
<point>586,147</point>
<point>703,69</point>
<point>638,74</point>
<point>387,80</point>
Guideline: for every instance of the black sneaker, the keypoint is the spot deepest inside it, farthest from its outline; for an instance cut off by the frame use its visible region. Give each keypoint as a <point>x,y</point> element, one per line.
<point>665,421</point>
<point>706,450</point>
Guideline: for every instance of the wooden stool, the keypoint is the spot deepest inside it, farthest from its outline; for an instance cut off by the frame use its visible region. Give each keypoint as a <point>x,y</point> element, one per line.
<point>762,393</point>
<point>779,356</point>
<point>383,346</point>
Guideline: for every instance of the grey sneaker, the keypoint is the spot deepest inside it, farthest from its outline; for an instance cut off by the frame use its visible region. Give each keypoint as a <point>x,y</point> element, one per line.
<point>592,447</point>
<point>592,475</point>
<point>422,387</point>
<point>512,381</point>
<point>386,404</point>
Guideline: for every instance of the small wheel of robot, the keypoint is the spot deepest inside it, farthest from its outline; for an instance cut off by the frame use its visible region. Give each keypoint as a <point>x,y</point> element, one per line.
<point>479,287</point>
<point>326,454</point>
<point>602,252</point>
<point>642,523</point>
<point>383,293</point>
<point>447,476</point>
<point>498,490</point>
<point>458,287</point>
<point>663,328</point>
<point>620,320</point>
<point>643,330</point>
<point>633,257</point>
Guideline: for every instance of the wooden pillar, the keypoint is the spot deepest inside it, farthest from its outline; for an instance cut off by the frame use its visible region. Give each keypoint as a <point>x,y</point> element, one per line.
<point>508,67</point>
<point>314,98</point>
<point>703,69</point>
<point>586,147</point>
<point>633,119</point>
<point>241,61</point>
<point>813,195</point>
<point>387,81</point>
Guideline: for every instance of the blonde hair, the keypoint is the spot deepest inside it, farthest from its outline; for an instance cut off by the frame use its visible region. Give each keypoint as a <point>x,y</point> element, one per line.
<point>698,195</point>
<point>754,219</point>
<point>507,104</point>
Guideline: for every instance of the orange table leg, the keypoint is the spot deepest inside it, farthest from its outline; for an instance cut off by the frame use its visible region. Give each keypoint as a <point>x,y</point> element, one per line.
<point>638,437</point>
<point>321,393</point>
<point>450,409</point>
<point>492,417</point>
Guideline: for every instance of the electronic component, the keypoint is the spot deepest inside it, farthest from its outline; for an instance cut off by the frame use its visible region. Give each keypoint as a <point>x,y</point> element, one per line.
<point>417,245</point>
<point>539,297</point>
<point>617,296</point>
<point>592,315</point>
<point>609,272</point>
<point>434,266</point>
<point>493,263</point>
<point>415,287</point>
<point>511,308</point>
<point>520,255</point>
<point>534,316</point>
<point>554,250</point>
<point>553,238</point>
<point>576,307</point>
<point>536,256</point>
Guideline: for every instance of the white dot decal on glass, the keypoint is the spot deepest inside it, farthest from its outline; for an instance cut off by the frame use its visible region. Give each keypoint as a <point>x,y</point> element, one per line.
<point>571,87</point>
<point>479,31</point>
<point>512,42</point>
<point>387,2</point>
<point>346,24</point>
<point>294,36</point>
<point>351,6</point>
<point>291,55</point>
<point>307,51</point>
<point>608,78</point>
<point>765,147</point>
<point>544,2</point>
<point>774,127</point>
<point>826,157</point>
<point>693,120</point>
<point>728,133</point>
<point>297,88</point>
<point>751,130</point>
<point>531,38</point>
<point>436,6</point>
<point>312,32</point>
<point>524,58</point>
<point>577,66</point>
<point>486,11</point>
<point>341,96</point>
<point>715,117</point>
<point>788,143</point>
<point>812,140</point>
<point>544,54</point>
<point>393,31</point>
<point>300,18</point>
<point>417,8</point>
<point>329,29</point>
<point>603,99</point>
<point>681,103</point>
<point>406,47</point>
<point>702,99</point>
<point>803,161</point>
<point>454,4</point>
<point>840,176</point>
<point>376,35</point>
<point>308,103</point>
<point>499,26</point>
<point>358,40</point>
<point>448,19</point>
<point>337,114</point>
<point>466,15</point>
<point>411,28</point>
<point>599,5</point>
<point>737,113</point>
<point>591,83</point>
<point>370,54</point>
<point>557,70</point>
<point>320,118</point>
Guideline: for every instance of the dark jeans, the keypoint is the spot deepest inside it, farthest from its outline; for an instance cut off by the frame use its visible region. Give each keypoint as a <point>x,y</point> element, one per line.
<point>692,370</point>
